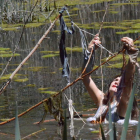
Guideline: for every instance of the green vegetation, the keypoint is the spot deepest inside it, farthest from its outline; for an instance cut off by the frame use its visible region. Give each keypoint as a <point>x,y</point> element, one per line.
<point>36,69</point>
<point>6,52</point>
<point>50,55</point>
<point>46,90</point>
<point>17,77</point>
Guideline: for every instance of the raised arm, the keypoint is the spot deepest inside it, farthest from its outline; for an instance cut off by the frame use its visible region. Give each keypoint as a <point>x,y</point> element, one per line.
<point>129,74</point>
<point>95,93</point>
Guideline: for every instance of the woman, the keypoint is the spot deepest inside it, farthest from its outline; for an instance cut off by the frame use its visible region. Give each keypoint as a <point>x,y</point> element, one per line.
<point>121,86</point>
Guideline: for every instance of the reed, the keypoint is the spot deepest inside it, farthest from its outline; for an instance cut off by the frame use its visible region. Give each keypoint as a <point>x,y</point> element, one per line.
<point>17,129</point>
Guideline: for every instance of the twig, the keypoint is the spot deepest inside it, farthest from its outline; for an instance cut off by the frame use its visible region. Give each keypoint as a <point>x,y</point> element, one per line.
<point>101,69</point>
<point>78,79</point>
<point>29,55</point>
<point>33,134</point>
<point>45,121</point>
<point>88,61</point>
<point>7,134</point>
<point>137,39</point>
<point>103,18</point>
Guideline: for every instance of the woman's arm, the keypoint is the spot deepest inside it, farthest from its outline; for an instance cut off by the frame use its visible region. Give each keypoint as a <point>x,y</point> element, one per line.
<point>129,75</point>
<point>95,93</point>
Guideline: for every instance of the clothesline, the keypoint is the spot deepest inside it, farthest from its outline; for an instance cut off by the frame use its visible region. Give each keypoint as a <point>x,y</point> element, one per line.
<point>99,45</point>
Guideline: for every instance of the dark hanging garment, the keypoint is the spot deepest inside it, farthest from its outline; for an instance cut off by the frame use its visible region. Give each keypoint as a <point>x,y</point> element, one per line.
<point>63,54</point>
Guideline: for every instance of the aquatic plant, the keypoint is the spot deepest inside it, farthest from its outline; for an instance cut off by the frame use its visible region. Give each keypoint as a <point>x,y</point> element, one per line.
<point>17,129</point>
<point>65,126</point>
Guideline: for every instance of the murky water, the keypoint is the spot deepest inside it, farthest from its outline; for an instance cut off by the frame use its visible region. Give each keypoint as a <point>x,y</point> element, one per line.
<point>41,74</point>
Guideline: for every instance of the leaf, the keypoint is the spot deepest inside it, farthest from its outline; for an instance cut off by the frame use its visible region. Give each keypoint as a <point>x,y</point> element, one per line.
<point>56,114</point>
<point>50,105</point>
<point>43,118</point>
<point>110,124</point>
<point>65,127</point>
<point>114,129</point>
<point>128,112</point>
<point>55,5</point>
<point>102,132</point>
<point>46,106</point>
<point>137,137</point>
<point>17,130</point>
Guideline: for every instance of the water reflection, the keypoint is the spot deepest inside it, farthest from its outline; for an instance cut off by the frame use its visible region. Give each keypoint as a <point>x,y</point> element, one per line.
<point>46,72</point>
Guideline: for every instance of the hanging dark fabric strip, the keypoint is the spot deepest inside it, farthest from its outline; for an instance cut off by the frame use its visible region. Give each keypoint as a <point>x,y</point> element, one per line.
<point>83,40</point>
<point>63,54</point>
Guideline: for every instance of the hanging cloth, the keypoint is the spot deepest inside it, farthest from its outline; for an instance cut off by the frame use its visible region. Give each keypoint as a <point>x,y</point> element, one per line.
<point>62,49</point>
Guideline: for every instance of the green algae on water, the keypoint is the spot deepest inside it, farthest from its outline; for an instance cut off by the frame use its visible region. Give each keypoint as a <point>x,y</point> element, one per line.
<point>50,55</point>
<point>96,131</point>
<point>45,91</point>
<point>137,42</point>
<point>117,58</point>
<point>21,80</point>
<point>36,69</point>
<point>31,85</point>
<point>50,52</point>
<point>75,69</point>
<point>42,89</point>
<point>30,25</point>
<point>117,65</point>
<point>6,52</point>
<point>4,49</point>
<point>121,4</point>
<point>9,55</point>
<point>113,12</point>
<point>115,27</point>
<point>136,26</point>
<point>75,9</point>
<point>74,49</point>
<point>129,31</point>
<point>17,77</point>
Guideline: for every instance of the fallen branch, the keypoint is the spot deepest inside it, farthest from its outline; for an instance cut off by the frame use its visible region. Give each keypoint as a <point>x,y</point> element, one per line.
<point>75,116</point>
<point>29,55</point>
<point>7,134</point>
<point>33,134</point>
<point>45,121</point>
<point>78,79</point>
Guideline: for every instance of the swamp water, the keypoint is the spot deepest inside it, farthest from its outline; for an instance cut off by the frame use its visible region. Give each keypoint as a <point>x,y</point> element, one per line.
<point>41,75</point>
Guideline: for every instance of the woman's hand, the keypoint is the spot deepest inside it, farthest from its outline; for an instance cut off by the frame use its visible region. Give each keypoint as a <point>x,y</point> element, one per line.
<point>96,41</point>
<point>128,43</point>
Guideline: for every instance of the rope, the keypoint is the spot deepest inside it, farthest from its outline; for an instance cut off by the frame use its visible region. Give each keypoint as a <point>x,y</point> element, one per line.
<point>75,110</point>
<point>83,30</point>
<point>99,45</point>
